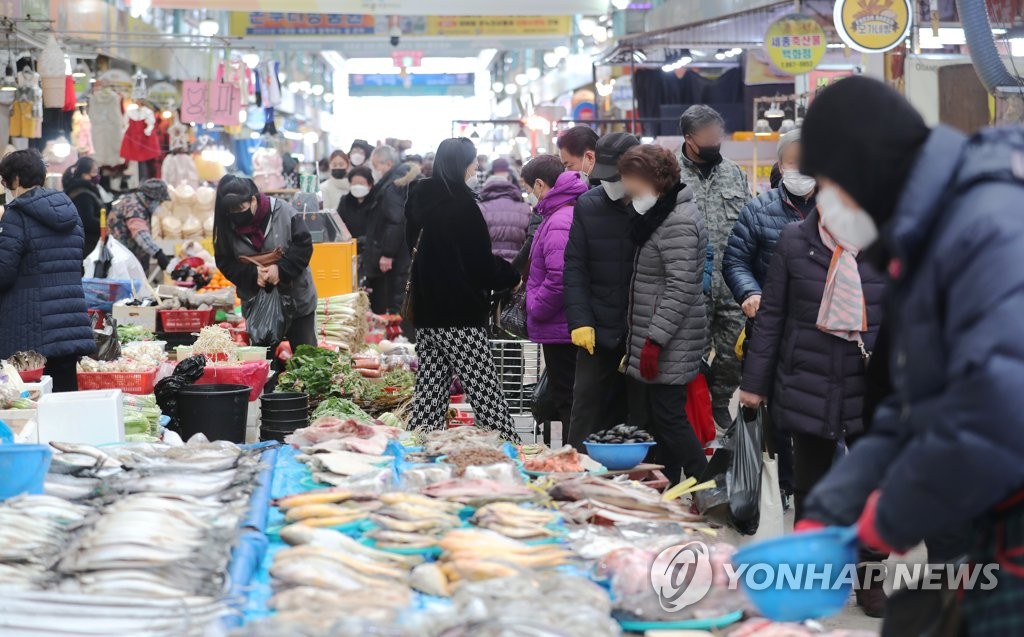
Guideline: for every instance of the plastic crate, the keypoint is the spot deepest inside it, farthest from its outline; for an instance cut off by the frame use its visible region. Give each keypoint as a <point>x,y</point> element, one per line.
<point>140,383</point>
<point>253,374</point>
<point>186,320</point>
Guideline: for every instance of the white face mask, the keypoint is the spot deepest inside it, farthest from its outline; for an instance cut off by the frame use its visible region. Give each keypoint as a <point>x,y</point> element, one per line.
<point>851,227</point>
<point>644,203</point>
<point>798,184</point>
<point>376,174</point>
<point>614,189</point>
<point>532,199</point>
<point>357,160</point>
<point>359,191</point>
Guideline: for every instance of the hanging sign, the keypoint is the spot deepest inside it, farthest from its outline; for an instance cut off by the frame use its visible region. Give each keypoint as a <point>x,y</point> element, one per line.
<point>211,103</point>
<point>795,43</point>
<point>225,103</point>
<point>873,26</point>
<point>195,101</point>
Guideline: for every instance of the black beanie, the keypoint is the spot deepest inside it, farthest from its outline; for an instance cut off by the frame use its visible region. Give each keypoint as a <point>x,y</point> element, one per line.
<point>863,135</point>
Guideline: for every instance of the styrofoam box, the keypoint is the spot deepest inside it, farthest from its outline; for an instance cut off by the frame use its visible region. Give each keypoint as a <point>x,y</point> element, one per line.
<point>88,417</point>
<point>42,388</point>
<point>17,420</point>
<point>135,315</point>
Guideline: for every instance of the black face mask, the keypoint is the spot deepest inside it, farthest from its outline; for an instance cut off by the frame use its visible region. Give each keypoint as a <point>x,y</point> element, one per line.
<point>710,154</point>
<point>338,173</point>
<point>241,218</point>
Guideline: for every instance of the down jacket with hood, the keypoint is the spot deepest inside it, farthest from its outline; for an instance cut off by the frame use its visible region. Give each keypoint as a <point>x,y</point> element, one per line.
<point>385,230</point>
<point>948,444</point>
<point>752,242</point>
<point>815,380</point>
<point>666,301</point>
<point>545,297</point>
<point>507,216</point>
<point>454,271</point>
<point>42,306</point>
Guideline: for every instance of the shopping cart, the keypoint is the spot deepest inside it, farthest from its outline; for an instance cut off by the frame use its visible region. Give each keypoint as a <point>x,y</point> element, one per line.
<point>520,365</point>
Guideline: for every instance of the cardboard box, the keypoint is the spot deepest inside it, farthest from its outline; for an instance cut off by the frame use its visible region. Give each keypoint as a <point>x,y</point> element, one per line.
<point>135,315</point>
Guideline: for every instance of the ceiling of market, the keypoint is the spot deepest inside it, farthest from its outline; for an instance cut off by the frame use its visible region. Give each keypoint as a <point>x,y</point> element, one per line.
<point>399,7</point>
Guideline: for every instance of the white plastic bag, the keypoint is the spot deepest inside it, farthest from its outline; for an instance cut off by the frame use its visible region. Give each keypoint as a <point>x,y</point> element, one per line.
<point>771,522</point>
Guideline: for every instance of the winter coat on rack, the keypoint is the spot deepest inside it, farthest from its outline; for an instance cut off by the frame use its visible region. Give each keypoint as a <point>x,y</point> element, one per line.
<point>666,299</point>
<point>454,270</point>
<point>599,266</point>
<point>42,306</point>
<point>179,168</point>
<point>753,239</point>
<point>545,298</point>
<point>814,380</point>
<point>506,214</point>
<point>81,133</point>
<point>88,201</point>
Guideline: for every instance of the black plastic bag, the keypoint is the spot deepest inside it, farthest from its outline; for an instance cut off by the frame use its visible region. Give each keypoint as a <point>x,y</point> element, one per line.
<point>744,477</point>
<point>267,317</point>
<point>186,373</point>
<point>714,502</point>
<point>108,347</point>
<point>543,406</point>
<point>512,314</point>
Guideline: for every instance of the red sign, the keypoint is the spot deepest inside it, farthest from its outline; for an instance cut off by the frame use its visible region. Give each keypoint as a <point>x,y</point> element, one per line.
<point>406,59</point>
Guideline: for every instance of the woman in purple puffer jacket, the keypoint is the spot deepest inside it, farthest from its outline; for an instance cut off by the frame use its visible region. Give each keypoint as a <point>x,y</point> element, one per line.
<point>556,192</point>
<point>506,214</point>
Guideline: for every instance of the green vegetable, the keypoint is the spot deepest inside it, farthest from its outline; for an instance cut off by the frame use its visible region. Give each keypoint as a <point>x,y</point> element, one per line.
<point>131,333</point>
<point>22,403</point>
<point>341,408</point>
<point>311,370</point>
<point>391,420</point>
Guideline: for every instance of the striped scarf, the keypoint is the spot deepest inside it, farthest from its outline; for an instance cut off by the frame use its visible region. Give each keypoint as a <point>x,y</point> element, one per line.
<point>843,312</point>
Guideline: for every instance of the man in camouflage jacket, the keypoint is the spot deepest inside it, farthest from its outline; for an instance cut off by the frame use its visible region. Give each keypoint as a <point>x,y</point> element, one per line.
<point>721,190</point>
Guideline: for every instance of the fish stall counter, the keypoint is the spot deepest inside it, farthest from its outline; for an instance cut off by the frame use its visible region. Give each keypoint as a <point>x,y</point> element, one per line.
<point>411,540</point>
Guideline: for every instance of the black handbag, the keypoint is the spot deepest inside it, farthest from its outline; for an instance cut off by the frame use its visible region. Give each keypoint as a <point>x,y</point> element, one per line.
<point>512,315</point>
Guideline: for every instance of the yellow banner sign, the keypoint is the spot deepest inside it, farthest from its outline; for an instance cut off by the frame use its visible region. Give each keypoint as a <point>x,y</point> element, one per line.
<point>873,26</point>
<point>795,43</point>
<point>471,26</point>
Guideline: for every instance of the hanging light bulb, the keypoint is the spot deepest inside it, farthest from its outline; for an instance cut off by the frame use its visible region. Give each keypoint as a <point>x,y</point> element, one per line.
<point>8,84</point>
<point>209,28</point>
<point>139,7</point>
<point>621,5</point>
<point>317,89</point>
<point>551,59</point>
<point>328,97</point>
<point>251,60</point>
<point>522,79</point>
<point>61,148</point>
<point>533,74</point>
<point>498,87</point>
<point>511,88</point>
<point>587,26</point>
<point>761,127</point>
<point>562,52</point>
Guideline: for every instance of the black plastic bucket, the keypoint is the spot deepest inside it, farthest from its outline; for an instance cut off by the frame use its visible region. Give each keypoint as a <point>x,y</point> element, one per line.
<point>285,414</point>
<point>280,424</point>
<point>284,401</point>
<point>217,411</point>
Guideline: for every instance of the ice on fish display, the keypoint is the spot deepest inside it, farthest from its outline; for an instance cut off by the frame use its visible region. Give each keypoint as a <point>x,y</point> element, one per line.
<point>128,540</point>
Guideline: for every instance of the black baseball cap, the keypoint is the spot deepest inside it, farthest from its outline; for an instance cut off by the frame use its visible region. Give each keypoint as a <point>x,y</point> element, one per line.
<point>610,149</point>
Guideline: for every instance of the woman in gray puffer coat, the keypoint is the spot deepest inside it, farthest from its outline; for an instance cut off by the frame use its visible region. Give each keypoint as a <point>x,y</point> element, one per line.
<point>506,214</point>
<point>667,321</point>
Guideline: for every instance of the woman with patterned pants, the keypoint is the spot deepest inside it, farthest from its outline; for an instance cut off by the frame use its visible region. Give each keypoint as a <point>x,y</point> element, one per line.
<point>452,276</point>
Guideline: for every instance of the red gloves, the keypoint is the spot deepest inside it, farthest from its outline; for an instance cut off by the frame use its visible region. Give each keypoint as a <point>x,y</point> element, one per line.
<point>808,525</point>
<point>867,530</point>
<point>649,360</point>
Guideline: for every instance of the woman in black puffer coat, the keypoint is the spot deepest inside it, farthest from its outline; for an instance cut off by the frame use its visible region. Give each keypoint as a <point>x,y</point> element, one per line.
<point>813,380</point>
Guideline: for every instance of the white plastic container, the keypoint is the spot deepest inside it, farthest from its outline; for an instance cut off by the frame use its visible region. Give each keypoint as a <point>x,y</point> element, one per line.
<point>89,417</point>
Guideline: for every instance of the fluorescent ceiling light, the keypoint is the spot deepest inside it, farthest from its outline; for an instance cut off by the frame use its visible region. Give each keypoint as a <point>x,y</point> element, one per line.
<point>948,36</point>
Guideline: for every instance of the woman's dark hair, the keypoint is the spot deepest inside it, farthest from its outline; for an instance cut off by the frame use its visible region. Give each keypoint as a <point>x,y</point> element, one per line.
<point>82,166</point>
<point>25,165</point>
<point>361,171</point>
<point>338,153</point>
<point>454,156</point>
<point>547,168</point>
<point>775,178</point>
<point>578,140</point>
<point>232,193</point>
<point>653,164</point>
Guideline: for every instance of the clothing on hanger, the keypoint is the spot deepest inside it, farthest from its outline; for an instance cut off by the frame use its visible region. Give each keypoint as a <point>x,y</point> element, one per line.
<point>139,143</point>
<point>81,132</point>
<point>107,126</point>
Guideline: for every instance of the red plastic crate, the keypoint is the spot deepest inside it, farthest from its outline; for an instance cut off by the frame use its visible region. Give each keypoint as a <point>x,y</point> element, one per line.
<point>186,320</point>
<point>140,383</point>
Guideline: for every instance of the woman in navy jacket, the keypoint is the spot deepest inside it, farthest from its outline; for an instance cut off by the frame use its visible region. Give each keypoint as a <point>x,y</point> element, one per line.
<point>42,306</point>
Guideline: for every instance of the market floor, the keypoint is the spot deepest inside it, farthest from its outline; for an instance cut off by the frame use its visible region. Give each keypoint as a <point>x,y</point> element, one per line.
<point>852,617</point>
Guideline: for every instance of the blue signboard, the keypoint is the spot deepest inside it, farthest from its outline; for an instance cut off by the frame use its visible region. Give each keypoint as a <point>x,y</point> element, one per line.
<point>412,85</point>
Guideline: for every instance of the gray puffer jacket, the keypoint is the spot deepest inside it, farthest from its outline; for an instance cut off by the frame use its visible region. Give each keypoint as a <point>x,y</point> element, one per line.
<point>666,296</point>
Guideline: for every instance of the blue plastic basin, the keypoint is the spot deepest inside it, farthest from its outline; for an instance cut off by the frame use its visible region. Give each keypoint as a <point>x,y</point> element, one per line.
<point>796,597</point>
<point>618,457</point>
<point>23,469</point>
